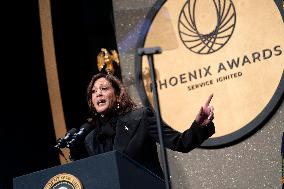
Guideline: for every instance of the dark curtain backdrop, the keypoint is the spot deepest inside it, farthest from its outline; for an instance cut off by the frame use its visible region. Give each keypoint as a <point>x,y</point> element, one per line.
<point>81,28</point>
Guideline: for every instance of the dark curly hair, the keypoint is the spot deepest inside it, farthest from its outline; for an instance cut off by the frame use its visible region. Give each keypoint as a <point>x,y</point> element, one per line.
<point>126,104</point>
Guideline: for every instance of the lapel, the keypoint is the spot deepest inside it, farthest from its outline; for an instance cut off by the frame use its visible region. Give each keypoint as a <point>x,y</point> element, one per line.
<point>89,142</point>
<point>126,127</point>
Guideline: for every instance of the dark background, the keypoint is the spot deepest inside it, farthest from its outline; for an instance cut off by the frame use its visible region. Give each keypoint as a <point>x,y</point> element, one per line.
<point>81,29</point>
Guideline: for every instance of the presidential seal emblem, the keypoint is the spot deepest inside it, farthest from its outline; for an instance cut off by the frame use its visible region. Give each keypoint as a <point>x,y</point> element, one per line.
<point>63,181</point>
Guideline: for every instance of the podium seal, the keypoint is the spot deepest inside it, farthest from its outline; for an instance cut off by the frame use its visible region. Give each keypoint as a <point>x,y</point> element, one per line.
<point>64,181</point>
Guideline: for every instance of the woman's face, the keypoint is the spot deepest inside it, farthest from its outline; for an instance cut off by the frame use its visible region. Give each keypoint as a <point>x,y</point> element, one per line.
<point>103,96</point>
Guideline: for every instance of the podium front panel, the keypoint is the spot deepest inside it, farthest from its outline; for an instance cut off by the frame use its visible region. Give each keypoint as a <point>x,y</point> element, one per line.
<point>111,170</point>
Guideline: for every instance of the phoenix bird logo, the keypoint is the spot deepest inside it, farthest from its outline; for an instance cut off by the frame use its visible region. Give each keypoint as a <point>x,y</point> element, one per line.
<point>206,43</point>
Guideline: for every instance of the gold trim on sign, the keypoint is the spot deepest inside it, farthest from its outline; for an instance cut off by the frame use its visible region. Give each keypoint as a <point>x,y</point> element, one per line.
<point>51,71</point>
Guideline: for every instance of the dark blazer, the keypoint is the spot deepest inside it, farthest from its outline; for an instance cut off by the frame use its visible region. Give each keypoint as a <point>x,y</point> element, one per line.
<point>137,134</point>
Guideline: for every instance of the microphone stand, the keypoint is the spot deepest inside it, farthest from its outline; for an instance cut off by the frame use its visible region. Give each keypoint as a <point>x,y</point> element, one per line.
<point>61,153</point>
<point>282,154</point>
<point>150,52</point>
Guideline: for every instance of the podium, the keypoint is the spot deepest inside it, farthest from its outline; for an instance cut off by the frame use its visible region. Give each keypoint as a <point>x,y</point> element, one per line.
<point>111,170</point>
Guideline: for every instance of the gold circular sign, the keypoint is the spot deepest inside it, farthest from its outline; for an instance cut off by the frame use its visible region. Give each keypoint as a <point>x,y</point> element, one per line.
<point>233,49</point>
<point>63,181</point>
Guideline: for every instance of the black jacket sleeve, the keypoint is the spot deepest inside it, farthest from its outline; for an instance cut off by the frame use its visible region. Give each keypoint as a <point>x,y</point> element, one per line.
<point>182,142</point>
<point>78,152</point>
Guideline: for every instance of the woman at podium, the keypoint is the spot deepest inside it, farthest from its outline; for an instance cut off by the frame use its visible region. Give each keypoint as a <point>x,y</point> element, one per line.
<point>116,123</point>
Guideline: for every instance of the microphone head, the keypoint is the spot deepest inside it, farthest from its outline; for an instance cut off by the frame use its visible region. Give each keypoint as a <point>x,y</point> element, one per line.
<point>70,133</point>
<point>86,127</point>
<point>62,142</point>
<point>80,135</point>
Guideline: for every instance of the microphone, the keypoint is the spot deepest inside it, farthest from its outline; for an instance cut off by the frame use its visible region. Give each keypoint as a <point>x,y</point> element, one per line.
<point>80,135</point>
<point>62,142</point>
